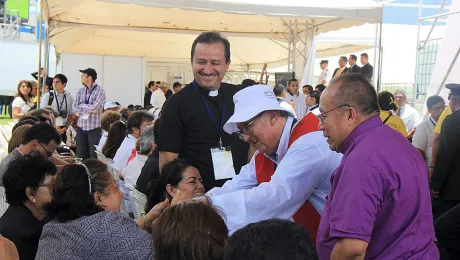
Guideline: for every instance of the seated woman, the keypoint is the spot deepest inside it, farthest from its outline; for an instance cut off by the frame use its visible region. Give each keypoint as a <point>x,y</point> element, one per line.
<point>115,137</point>
<point>86,222</point>
<point>27,188</point>
<point>108,118</point>
<point>191,230</point>
<point>177,175</point>
<point>387,105</point>
<point>17,137</point>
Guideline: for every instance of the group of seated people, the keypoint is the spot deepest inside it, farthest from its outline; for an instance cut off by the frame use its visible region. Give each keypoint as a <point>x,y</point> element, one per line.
<point>72,210</point>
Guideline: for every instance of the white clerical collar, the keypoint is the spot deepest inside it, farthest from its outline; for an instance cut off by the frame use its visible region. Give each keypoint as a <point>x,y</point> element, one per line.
<point>213,93</point>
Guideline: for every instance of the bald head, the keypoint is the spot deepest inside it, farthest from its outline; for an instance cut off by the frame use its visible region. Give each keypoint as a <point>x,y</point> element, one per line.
<point>357,92</point>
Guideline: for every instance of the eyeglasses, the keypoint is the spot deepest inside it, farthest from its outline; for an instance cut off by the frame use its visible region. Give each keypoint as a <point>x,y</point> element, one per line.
<point>46,150</point>
<point>438,108</point>
<point>246,129</point>
<point>322,117</point>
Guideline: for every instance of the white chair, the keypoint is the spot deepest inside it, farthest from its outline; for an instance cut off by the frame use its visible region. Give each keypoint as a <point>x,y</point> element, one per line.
<point>138,200</point>
<point>100,156</point>
<point>3,204</point>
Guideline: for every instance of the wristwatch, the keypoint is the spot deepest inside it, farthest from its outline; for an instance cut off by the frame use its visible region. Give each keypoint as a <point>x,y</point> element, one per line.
<point>431,166</point>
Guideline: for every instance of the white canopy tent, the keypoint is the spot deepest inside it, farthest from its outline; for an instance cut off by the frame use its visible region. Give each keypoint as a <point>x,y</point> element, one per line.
<point>260,31</point>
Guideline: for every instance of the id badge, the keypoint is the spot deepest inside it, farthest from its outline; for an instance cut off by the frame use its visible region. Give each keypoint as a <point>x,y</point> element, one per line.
<point>222,161</point>
<point>84,117</point>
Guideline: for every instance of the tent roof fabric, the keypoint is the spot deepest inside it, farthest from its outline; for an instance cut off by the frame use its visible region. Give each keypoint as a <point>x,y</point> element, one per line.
<point>165,29</point>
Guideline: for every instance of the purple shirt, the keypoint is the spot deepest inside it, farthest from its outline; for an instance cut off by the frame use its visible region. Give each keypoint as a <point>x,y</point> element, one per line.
<point>380,195</point>
<point>89,102</point>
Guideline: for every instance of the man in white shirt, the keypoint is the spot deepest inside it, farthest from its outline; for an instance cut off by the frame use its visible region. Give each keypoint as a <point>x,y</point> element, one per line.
<point>409,115</point>
<point>313,102</point>
<point>296,99</point>
<point>325,76</point>
<point>137,122</point>
<point>423,138</point>
<point>289,175</point>
<point>61,102</point>
<point>280,93</point>
<point>158,97</point>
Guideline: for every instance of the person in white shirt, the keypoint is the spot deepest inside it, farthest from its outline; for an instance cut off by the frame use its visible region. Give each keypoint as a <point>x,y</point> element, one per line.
<point>423,138</point>
<point>145,145</point>
<point>313,102</point>
<point>325,76</point>
<point>158,97</point>
<point>296,99</point>
<point>137,122</point>
<point>23,102</point>
<point>280,93</point>
<point>61,102</point>
<point>409,115</point>
<point>290,171</point>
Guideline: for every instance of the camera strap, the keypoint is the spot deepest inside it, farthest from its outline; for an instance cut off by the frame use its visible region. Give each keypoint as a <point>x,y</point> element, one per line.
<point>64,100</point>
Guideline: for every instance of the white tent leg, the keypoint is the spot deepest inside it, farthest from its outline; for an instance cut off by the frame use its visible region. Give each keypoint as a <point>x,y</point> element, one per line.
<point>379,73</point>
<point>417,56</point>
<point>448,71</point>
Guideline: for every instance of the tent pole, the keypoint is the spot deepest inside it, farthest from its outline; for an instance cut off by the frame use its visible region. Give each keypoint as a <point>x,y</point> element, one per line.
<point>294,49</point>
<point>376,47</point>
<point>289,47</point>
<point>434,24</point>
<point>40,40</point>
<point>448,71</point>
<point>379,75</point>
<point>417,55</point>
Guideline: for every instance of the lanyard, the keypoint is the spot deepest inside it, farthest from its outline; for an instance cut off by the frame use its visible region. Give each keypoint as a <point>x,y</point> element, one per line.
<point>432,121</point>
<point>211,115</point>
<point>90,92</point>
<point>64,100</point>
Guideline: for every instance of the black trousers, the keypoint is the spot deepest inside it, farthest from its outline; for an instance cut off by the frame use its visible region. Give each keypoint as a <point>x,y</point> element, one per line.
<point>447,229</point>
<point>442,206</point>
<point>86,140</point>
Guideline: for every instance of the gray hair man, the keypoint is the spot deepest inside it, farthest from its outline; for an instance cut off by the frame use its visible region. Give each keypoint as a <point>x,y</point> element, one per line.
<point>409,115</point>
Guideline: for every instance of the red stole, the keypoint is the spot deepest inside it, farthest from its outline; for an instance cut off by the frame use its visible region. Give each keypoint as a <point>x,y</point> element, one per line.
<point>307,215</point>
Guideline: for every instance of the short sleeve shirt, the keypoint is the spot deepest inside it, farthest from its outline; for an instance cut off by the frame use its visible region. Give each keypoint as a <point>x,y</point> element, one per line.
<point>393,121</point>
<point>423,138</point>
<point>379,194</point>
<point>19,102</point>
<point>187,129</point>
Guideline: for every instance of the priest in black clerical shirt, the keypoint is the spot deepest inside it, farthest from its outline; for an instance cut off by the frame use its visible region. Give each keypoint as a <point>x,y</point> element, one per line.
<point>192,120</point>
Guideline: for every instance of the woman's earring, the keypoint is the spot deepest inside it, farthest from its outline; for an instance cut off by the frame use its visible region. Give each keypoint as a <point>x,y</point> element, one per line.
<point>34,201</point>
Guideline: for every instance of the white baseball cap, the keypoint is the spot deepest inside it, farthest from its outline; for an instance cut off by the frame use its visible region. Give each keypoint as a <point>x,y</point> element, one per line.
<point>251,101</point>
<point>110,104</point>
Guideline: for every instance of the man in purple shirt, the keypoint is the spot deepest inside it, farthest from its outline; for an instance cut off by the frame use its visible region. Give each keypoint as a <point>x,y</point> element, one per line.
<point>379,204</point>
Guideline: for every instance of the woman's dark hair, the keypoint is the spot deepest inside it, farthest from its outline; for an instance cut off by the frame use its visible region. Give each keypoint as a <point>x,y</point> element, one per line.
<point>387,101</point>
<point>24,122</point>
<point>192,231</point>
<point>115,137</point>
<point>71,195</point>
<point>29,85</point>
<point>124,113</point>
<point>17,137</point>
<point>108,118</point>
<point>172,174</point>
<point>25,171</point>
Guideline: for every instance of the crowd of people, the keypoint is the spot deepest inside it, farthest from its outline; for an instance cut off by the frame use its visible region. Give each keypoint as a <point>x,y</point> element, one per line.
<point>232,172</point>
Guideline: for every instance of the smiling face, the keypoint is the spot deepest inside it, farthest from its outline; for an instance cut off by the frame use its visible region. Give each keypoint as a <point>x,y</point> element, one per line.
<point>209,65</point>
<point>191,184</point>
<point>25,89</point>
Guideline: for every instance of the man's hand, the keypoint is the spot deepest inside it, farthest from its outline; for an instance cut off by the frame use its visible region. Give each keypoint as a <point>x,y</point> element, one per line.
<point>434,194</point>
